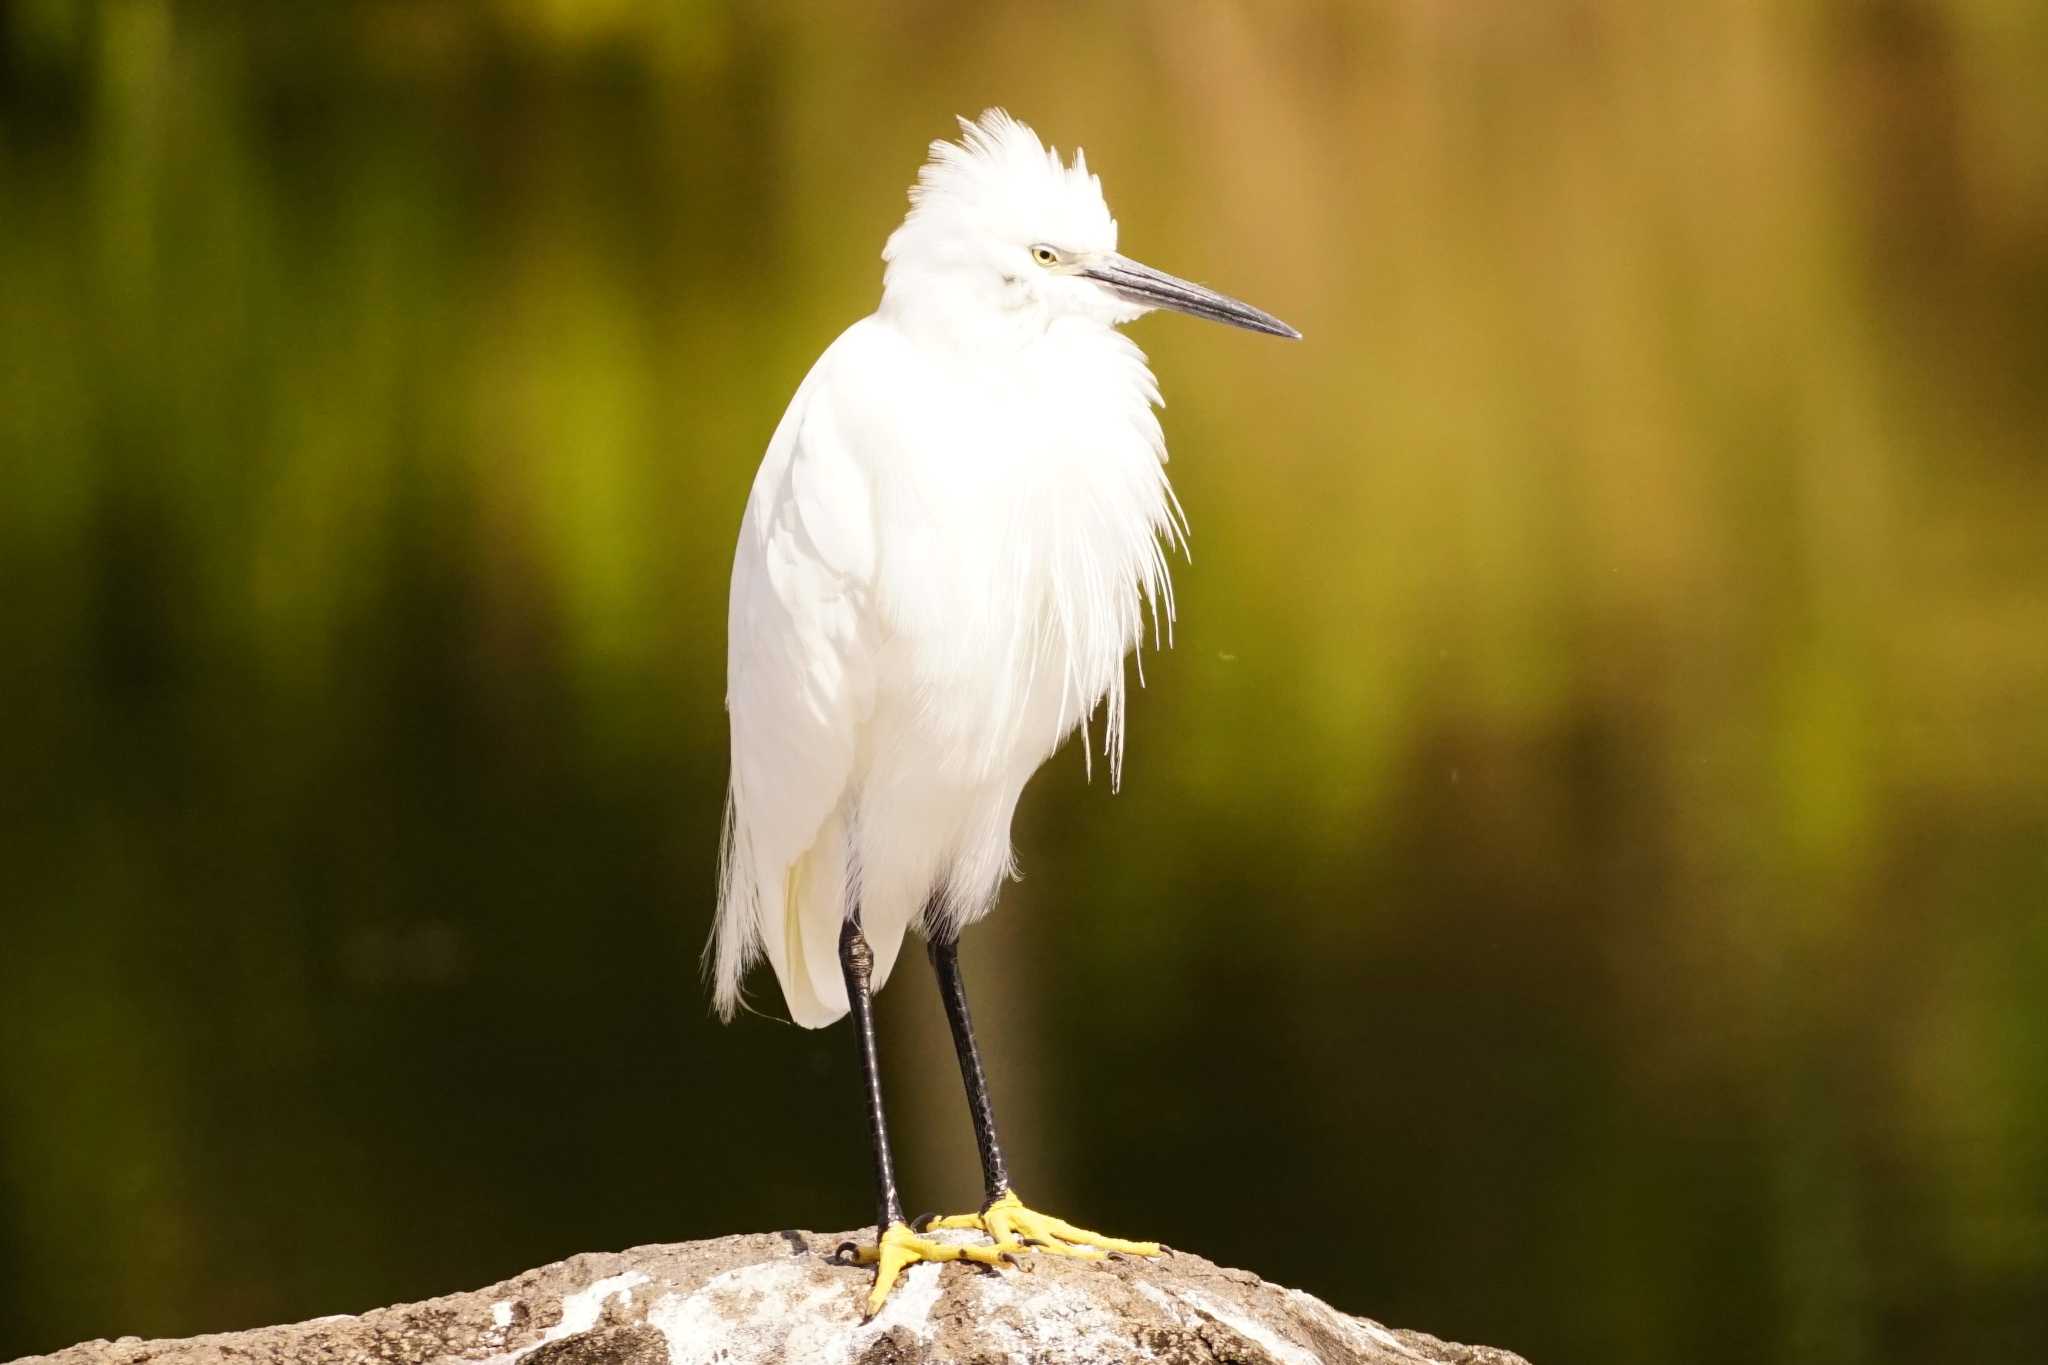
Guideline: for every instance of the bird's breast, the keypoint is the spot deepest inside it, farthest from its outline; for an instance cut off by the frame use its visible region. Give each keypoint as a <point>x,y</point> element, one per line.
<point>1020,532</point>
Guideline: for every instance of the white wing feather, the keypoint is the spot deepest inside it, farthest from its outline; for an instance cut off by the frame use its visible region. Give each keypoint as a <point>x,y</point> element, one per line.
<point>800,689</point>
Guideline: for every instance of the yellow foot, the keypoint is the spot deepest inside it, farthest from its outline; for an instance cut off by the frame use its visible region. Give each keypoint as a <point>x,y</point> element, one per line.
<point>899,1248</point>
<point>1010,1223</point>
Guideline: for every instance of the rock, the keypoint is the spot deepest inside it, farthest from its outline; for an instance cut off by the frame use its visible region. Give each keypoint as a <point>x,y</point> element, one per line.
<point>781,1298</point>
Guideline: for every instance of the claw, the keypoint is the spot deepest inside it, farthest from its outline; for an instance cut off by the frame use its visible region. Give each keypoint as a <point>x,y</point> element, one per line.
<point>898,1248</point>
<point>1014,1226</point>
<point>843,1250</point>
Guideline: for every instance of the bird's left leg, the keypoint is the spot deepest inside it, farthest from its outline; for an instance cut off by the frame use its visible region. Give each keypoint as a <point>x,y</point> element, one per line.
<point>1003,1215</point>
<point>896,1246</point>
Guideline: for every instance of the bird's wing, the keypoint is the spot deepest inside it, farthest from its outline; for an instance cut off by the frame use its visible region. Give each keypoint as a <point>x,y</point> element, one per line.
<point>799,689</point>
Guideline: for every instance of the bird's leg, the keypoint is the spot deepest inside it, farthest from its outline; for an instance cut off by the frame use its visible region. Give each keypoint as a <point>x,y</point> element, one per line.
<point>1003,1215</point>
<point>896,1247</point>
<point>995,1175</point>
<point>857,961</point>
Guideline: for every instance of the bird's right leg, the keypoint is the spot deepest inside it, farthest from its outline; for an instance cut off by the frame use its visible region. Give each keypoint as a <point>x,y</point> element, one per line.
<point>1003,1215</point>
<point>896,1246</point>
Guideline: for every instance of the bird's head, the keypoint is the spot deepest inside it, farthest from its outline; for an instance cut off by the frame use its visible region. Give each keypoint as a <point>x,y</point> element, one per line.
<point>1000,230</point>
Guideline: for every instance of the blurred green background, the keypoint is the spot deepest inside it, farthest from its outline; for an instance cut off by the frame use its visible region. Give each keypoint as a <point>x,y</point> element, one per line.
<point>1581,879</point>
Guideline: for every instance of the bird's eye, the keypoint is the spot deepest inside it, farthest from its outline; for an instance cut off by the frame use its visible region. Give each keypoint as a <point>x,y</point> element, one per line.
<point>1045,255</point>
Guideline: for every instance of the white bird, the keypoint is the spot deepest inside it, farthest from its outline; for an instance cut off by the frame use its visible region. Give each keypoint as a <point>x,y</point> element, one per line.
<point>959,531</point>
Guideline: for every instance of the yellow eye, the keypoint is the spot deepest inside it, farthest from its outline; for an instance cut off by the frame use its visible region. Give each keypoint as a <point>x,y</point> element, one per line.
<point>1045,255</point>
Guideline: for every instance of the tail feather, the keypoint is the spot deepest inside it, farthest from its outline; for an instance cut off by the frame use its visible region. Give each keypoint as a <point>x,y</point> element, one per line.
<point>735,937</point>
<point>792,915</point>
<point>814,910</point>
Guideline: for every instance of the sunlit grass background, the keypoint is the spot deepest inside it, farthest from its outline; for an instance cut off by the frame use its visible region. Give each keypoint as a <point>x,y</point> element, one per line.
<point>1581,881</point>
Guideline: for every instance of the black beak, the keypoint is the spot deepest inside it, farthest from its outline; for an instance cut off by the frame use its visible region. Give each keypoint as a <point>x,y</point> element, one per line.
<point>1149,288</point>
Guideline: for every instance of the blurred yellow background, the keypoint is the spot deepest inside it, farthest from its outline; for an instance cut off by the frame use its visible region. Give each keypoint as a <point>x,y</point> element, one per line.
<point>1581,878</point>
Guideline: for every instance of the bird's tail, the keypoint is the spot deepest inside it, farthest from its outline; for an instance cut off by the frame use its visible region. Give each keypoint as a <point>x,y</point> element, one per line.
<point>735,936</point>
<point>792,914</point>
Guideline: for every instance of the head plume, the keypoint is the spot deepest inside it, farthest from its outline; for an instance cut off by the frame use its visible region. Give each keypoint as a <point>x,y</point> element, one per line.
<point>999,183</point>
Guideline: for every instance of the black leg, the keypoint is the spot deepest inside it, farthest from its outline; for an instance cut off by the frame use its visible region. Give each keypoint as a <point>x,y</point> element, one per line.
<point>857,960</point>
<point>946,962</point>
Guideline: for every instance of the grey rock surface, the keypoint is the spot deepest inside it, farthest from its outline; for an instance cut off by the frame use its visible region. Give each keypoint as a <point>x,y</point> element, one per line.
<point>779,1297</point>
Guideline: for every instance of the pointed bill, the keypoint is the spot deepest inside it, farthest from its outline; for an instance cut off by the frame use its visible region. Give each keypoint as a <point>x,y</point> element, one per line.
<point>1149,288</point>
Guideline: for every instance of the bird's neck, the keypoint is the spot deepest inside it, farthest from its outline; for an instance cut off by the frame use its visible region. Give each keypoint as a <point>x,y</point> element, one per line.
<point>969,314</point>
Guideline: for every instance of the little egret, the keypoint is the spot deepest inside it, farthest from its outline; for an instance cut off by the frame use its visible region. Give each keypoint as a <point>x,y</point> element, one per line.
<point>959,530</point>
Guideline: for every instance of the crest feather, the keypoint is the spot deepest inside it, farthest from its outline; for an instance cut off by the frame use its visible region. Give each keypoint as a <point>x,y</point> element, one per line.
<point>999,180</point>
